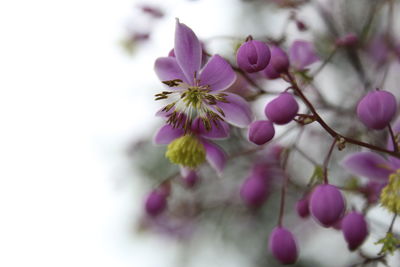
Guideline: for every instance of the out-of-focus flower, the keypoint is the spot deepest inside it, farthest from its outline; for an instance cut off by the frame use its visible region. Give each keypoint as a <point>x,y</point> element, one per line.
<point>253,56</point>
<point>278,64</point>
<point>349,39</point>
<point>282,245</point>
<point>156,202</point>
<point>196,91</point>
<point>302,207</point>
<point>152,11</point>
<point>377,109</point>
<point>302,54</point>
<point>190,149</point>
<point>261,132</point>
<point>355,229</point>
<point>282,109</point>
<point>327,204</point>
<point>189,177</point>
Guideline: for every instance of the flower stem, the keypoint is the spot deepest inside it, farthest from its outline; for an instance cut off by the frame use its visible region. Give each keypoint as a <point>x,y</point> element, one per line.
<point>326,161</point>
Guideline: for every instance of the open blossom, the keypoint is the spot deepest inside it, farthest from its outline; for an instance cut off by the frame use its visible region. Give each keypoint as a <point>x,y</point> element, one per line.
<point>193,147</point>
<point>196,90</point>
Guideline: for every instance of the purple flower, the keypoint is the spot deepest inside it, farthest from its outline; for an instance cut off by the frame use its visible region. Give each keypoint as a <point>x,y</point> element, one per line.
<point>302,207</point>
<point>302,54</point>
<point>355,229</point>
<point>282,109</point>
<point>189,177</point>
<point>192,148</point>
<point>377,109</point>
<point>326,204</point>
<point>278,64</point>
<point>373,166</point>
<point>282,245</point>
<point>197,90</point>
<point>156,202</point>
<point>260,132</point>
<point>253,56</point>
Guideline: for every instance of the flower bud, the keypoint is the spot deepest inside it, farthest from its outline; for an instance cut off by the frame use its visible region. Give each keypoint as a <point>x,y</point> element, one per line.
<point>278,64</point>
<point>253,56</point>
<point>156,203</point>
<point>302,208</point>
<point>377,109</point>
<point>260,132</point>
<point>302,54</point>
<point>355,229</point>
<point>326,204</point>
<point>349,39</point>
<point>254,191</point>
<point>190,179</point>
<point>283,246</point>
<point>282,109</point>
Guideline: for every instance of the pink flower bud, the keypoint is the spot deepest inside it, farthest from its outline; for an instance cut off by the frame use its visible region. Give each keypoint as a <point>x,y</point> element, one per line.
<point>355,229</point>
<point>283,245</point>
<point>278,64</point>
<point>302,208</point>
<point>349,39</point>
<point>282,109</point>
<point>326,204</point>
<point>156,203</point>
<point>191,179</point>
<point>253,56</point>
<point>377,109</point>
<point>254,191</point>
<point>260,132</point>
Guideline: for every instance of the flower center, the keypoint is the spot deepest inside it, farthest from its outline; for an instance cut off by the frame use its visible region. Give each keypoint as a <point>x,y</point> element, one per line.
<point>190,102</point>
<point>187,151</point>
<point>390,195</point>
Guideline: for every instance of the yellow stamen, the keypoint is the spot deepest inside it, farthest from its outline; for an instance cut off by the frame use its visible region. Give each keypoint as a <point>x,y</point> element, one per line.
<point>390,195</point>
<point>187,151</point>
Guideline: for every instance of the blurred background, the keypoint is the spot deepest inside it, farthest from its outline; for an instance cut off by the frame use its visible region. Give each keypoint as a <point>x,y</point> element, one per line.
<point>74,99</point>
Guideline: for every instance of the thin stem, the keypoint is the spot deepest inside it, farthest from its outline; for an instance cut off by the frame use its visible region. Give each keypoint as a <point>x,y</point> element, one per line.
<point>307,157</point>
<point>326,161</point>
<point>393,137</point>
<point>392,223</point>
<point>329,130</point>
<point>326,61</point>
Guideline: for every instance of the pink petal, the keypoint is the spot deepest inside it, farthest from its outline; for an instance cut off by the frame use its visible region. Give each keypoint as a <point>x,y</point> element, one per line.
<point>220,130</point>
<point>215,156</point>
<point>218,74</point>
<point>187,51</point>
<point>167,69</point>
<point>167,134</point>
<point>237,111</point>
<point>368,164</point>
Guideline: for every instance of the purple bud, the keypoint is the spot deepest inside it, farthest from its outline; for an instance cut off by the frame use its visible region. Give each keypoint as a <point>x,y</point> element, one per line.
<point>282,109</point>
<point>283,246</point>
<point>254,191</point>
<point>355,229</point>
<point>191,179</point>
<point>377,109</point>
<point>349,39</point>
<point>301,26</point>
<point>260,132</point>
<point>302,208</point>
<point>156,203</point>
<point>253,56</point>
<point>326,204</point>
<point>302,54</point>
<point>278,64</point>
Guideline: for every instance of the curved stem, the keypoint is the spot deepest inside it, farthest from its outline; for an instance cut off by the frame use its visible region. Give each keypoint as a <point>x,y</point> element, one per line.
<point>326,161</point>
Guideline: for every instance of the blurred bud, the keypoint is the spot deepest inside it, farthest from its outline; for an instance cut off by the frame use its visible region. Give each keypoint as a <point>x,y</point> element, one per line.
<point>253,56</point>
<point>326,204</point>
<point>152,11</point>
<point>355,229</point>
<point>282,109</point>
<point>260,132</point>
<point>189,177</point>
<point>302,208</point>
<point>156,203</point>
<point>377,109</point>
<point>278,64</point>
<point>302,54</point>
<point>349,39</point>
<point>283,246</point>
<point>301,26</point>
<point>254,191</point>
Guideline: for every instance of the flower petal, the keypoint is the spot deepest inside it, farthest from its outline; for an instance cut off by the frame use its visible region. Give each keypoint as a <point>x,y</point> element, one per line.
<point>167,69</point>
<point>217,73</point>
<point>166,134</point>
<point>237,111</point>
<point>215,156</point>
<point>187,51</point>
<point>302,54</point>
<point>367,164</point>
<point>219,129</point>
